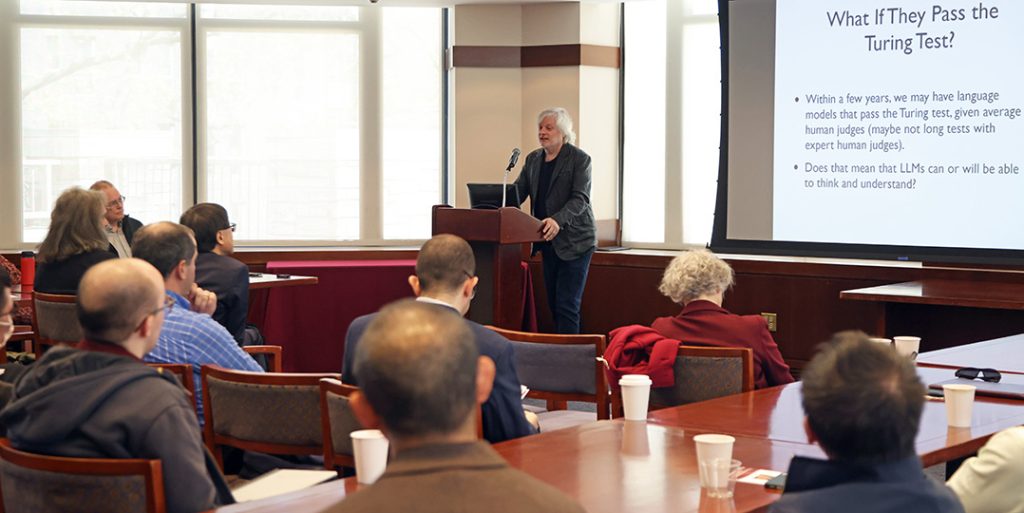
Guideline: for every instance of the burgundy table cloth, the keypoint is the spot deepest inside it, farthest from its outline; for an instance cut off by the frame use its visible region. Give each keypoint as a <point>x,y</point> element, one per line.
<point>310,322</point>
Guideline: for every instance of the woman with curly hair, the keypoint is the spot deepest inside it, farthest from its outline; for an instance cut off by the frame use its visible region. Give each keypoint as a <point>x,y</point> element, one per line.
<point>697,280</point>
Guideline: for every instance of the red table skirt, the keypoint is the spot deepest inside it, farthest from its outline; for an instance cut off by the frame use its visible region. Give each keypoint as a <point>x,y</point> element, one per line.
<point>310,322</point>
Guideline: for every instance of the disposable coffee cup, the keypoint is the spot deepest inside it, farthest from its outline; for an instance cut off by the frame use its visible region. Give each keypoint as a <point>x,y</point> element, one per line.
<point>907,346</point>
<point>636,394</point>
<point>712,447</point>
<point>959,404</point>
<point>879,340</point>
<point>370,448</point>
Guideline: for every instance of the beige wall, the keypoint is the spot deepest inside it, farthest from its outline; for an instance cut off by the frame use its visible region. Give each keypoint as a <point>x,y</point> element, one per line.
<point>495,109</point>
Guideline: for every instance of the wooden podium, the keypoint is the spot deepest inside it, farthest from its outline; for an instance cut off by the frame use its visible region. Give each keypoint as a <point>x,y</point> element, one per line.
<point>496,237</point>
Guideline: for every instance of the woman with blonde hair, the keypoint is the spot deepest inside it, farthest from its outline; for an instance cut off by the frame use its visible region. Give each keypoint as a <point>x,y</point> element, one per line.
<point>74,243</point>
<point>697,280</point>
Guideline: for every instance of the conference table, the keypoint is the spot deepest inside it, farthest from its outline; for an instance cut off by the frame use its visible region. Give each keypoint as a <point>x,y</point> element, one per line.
<point>619,466</point>
<point>1004,354</point>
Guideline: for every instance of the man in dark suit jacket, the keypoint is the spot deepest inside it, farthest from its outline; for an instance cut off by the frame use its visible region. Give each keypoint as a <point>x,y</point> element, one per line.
<point>216,271</point>
<point>119,226</point>
<point>556,177</point>
<point>415,354</point>
<point>445,279</point>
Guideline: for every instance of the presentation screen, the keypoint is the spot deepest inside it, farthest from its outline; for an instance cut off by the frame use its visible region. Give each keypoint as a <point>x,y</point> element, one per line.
<point>873,128</point>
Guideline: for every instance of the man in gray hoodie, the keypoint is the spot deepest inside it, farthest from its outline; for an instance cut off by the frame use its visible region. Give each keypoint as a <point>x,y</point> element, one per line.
<point>99,400</point>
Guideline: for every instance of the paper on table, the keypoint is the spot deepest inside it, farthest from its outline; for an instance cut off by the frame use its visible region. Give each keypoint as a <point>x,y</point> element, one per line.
<point>280,481</point>
<point>758,477</point>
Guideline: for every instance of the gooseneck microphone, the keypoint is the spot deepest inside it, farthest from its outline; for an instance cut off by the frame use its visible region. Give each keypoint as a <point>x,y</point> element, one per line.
<point>504,179</point>
<point>513,159</point>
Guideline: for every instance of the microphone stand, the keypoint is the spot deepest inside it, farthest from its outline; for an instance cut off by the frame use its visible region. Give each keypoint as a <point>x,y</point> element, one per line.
<point>504,185</point>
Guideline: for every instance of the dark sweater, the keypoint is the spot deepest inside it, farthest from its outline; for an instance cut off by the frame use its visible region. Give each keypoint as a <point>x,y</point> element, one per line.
<point>62,276</point>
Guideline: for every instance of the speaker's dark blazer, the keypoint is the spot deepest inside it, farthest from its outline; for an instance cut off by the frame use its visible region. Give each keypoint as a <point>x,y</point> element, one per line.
<point>568,199</point>
<point>503,417</point>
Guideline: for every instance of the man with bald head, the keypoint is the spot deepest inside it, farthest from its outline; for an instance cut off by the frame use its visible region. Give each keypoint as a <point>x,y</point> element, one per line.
<point>119,226</point>
<point>414,354</point>
<point>98,400</point>
<point>445,280</point>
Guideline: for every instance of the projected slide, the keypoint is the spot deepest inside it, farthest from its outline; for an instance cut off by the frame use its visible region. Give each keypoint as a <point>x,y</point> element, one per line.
<point>899,122</point>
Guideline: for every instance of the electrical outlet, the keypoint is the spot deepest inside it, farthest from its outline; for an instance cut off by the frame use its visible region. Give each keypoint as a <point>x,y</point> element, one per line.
<point>773,320</point>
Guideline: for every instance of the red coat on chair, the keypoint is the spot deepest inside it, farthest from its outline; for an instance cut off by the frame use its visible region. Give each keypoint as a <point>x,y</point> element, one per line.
<point>641,350</point>
<point>703,323</point>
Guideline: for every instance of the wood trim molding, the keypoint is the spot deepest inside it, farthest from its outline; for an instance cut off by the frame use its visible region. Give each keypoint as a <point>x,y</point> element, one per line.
<point>536,56</point>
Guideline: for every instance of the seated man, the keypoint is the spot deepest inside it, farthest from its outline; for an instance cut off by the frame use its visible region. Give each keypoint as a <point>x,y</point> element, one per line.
<point>863,405</point>
<point>100,401</point>
<point>216,271</point>
<point>10,371</point>
<point>414,354</point>
<point>988,482</point>
<point>190,335</point>
<point>120,228</point>
<point>444,279</point>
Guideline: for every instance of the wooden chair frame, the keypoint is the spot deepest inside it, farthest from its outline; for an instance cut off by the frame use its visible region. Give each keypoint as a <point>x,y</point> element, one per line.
<point>183,371</point>
<point>332,460</point>
<point>214,441</point>
<point>744,353</point>
<point>43,343</point>
<point>558,400</point>
<point>273,355</point>
<point>150,470</point>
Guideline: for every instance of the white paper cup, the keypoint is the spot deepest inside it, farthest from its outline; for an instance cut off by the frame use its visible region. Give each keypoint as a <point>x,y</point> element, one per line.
<point>636,394</point>
<point>879,340</point>
<point>959,404</point>
<point>370,449</point>
<point>907,346</point>
<point>721,475</point>
<point>712,447</point>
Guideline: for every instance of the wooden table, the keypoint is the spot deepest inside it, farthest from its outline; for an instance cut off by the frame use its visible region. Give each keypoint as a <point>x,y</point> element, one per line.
<point>776,414</point>
<point>945,313</point>
<point>269,280</point>
<point>1003,354</point>
<point>608,466</point>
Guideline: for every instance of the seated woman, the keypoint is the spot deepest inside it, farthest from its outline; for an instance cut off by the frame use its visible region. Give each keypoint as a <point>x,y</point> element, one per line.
<point>74,243</point>
<point>697,280</point>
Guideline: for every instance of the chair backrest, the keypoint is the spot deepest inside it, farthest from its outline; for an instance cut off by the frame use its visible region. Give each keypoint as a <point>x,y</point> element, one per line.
<point>703,373</point>
<point>276,413</point>
<point>337,422</point>
<point>54,320</point>
<point>271,353</point>
<point>183,373</point>
<point>561,367</point>
<point>34,483</point>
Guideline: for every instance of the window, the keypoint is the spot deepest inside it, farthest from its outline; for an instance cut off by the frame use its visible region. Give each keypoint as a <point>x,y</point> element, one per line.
<point>100,100</point>
<point>313,124</point>
<point>671,115</point>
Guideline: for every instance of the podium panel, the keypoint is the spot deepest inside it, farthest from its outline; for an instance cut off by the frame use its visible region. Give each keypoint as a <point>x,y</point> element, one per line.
<point>496,237</point>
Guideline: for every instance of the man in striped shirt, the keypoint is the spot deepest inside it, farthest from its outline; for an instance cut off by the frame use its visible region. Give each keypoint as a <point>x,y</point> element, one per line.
<point>189,334</point>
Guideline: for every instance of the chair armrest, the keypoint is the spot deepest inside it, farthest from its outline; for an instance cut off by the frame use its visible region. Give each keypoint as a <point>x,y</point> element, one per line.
<point>273,355</point>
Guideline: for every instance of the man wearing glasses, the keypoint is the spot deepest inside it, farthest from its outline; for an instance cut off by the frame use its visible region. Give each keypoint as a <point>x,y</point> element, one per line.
<point>217,272</point>
<point>119,226</point>
<point>9,370</point>
<point>445,279</point>
<point>99,401</point>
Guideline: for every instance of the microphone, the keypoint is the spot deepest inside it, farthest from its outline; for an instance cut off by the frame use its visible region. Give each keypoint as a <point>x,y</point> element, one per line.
<point>513,159</point>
